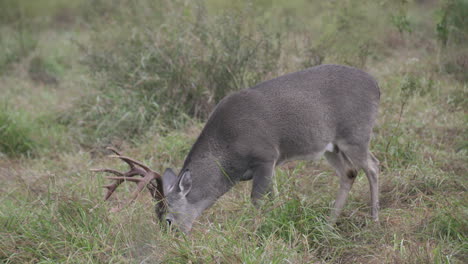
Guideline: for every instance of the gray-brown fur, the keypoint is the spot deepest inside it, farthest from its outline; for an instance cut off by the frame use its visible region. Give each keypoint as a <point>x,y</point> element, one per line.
<point>294,116</point>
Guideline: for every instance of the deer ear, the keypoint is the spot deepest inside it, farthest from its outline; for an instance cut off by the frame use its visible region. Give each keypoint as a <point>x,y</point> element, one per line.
<point>185,183</point>
<point>169,180</point>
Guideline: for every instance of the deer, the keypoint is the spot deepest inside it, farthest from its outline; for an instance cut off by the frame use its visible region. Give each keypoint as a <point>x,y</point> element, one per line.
<point>326,110</point>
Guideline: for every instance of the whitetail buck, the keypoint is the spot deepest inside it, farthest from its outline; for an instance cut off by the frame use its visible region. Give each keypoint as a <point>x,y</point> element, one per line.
<point>328,109</point>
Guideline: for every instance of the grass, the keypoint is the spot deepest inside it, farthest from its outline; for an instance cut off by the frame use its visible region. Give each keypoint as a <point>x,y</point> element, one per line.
<point>145,84</point>
<point>15,132</point>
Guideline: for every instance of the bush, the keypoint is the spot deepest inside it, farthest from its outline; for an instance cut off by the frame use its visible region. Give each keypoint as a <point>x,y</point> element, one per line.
<point>347,37</point>
<point>452,33</point>
<point>452,25</point>
<point>170,66</point>
<point>189,59</point>
<point>159,63</point>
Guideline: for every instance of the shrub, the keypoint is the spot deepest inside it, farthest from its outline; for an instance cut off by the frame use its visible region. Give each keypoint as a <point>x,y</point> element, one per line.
<point>347,37</point>
<point>180,63</point>
<point>452,25</point>
<point>452,33</point>
<point>190,59</point>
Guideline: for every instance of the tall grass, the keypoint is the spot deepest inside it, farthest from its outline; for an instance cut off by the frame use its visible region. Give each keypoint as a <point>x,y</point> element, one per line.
<point>452,32</point>
<point>178,64</point>
<point>23,135</point>
<point>168,62</point>
<point>16,133</point>
<point>144,76</point>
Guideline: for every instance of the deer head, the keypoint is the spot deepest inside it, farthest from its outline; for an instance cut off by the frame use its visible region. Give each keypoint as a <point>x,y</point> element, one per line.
<point>169,190</point>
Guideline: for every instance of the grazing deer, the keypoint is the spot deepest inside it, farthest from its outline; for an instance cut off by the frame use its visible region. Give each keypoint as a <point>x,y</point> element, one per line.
<point>328,109</point>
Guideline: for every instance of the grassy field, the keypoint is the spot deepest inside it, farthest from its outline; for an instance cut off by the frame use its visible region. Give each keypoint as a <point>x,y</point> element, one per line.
<point>142,76</point>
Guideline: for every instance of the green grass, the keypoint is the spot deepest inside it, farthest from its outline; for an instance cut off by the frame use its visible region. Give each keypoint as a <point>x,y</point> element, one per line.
<point>15,133</point>
<point>22,134</point>
<point>142,76</point>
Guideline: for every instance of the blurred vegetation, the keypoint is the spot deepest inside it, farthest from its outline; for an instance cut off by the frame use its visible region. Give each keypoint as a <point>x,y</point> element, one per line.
<point>144,75</point>
<point>162,62</point>
<point>16,133</point>
<point>162,71</point>
<point>452,32</point>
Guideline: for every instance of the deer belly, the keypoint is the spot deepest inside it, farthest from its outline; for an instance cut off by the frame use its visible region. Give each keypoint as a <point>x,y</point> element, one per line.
<point>304,155</point>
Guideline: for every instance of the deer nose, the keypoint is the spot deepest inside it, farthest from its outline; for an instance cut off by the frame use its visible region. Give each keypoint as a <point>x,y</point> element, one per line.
<point>168,221</point>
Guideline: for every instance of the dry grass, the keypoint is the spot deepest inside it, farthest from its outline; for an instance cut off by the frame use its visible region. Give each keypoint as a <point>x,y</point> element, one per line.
<point>47,198</point>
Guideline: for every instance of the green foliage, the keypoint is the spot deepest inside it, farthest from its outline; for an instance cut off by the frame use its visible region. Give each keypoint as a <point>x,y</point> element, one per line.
<point>170,71</point>
<point>192,63</point>
<point>402,23</point>
<point>451,224</point>
<point>108,116</point>
<point>55,230</point>
<point>44,71</point>
<point>452,33</point>
<point>452,22</point>
<point>409,86</point>
<point>41,14</point>
<point>15,45</point>
<point>348,37</point>
<point>294,218</point>
<point>23,135</point>
<point>400,18</point>
<point>399,148</point>
<point>16,133</point>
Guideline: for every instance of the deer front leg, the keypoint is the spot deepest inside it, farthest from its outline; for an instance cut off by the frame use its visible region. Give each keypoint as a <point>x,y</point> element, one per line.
<point>262,182</point>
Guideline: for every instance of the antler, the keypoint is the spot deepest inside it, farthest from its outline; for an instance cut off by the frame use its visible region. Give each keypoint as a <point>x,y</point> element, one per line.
<point>142,170</point>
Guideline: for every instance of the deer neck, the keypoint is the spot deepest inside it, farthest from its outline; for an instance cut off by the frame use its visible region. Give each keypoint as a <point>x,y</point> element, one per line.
<point>208,164</point>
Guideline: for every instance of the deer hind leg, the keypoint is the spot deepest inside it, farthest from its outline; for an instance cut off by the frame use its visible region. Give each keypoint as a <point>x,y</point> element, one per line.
<point>362,158</point>
<point>372,173</point>
<point>347,174</point>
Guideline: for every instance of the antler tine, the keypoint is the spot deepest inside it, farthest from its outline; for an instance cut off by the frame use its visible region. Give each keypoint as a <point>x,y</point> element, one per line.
<point>142,182</point>
<point>111,188</point>
<point>126,179</point>
<point>132,162</point>
<point>119,180</point>
<point>118,173</point>
<point>116,152</point>
<point>142,170</point>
